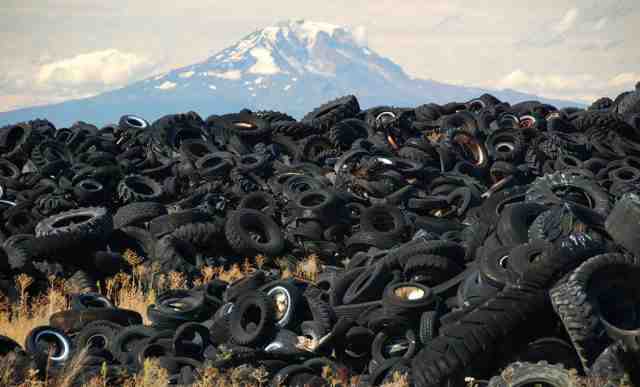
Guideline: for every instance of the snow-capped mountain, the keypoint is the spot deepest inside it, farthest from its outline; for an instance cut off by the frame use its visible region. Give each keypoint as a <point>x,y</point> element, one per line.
<point>293,66</point>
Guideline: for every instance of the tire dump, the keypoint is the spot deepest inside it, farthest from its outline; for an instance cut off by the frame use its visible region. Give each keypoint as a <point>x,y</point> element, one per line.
<point>475,243</point>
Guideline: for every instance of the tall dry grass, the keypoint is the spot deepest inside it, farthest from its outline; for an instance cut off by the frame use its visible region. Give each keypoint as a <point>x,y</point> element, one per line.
<point>128,290</point>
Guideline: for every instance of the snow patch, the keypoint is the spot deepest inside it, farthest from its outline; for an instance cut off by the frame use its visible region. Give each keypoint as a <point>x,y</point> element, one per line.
<point>159,77</point>
<point>233,75</point>
<point>186,74</point>
<point>167,85</point>
<point>286,87</point>
<point>264,62</point>
<point>258,80</point>
<point>212,87</point>
<point>366,51</point>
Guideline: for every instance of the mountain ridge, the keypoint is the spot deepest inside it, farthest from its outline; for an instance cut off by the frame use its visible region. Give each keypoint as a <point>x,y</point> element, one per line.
<point>292,66</point>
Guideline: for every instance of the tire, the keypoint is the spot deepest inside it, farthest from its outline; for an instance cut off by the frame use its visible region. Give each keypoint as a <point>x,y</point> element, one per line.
<point>584,310</point>
<point>260,309</point>
<point>138,188</point>
<point>332,112</point>
<point>167,224</point>
<point>321,205</point>
<point>247,127</point>
<point>89,192</point>
<point>520,374</point>
<point>242,224</point>
<point>462,344</point>
<point>97,335</point>
<point>344,133</point>
<point>176,307</point>
<point>83,224</point>
<point>191,340</point>
<point>408,345</point>
<point>429,326</point>
<point>138,213</point>
<point>407,298</point>
<point>622,223</point>
<point>288,301</point>
<point>74,320</point>
<point>126,342</point>
<point>368,286</point>
<point>513,226</point>
<point>214,165</point>
<point>545,188</point>
<point>383,219</point>
<point>430,270</point>
<point>47,334</point>
<point>259,201</point>
<point>521,258</point>
<point>89,300</point>
<point>494,266</point>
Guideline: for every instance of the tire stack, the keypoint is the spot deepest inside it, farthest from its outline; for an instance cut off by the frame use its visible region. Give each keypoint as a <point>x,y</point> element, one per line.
<point>476,239</point>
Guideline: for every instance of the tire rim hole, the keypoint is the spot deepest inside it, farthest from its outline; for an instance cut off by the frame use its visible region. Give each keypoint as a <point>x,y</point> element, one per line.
<point>71,220</point>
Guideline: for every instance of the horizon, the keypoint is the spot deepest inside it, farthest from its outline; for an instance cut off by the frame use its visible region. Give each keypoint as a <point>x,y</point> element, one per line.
<point>57,70</point>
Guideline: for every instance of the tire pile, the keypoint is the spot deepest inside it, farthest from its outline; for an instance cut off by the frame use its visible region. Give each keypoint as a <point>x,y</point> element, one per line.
<point>457,240</point>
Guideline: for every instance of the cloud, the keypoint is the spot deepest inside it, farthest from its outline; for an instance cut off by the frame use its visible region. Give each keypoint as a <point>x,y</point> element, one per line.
<point>567,22</point>
<point>600,24</point>
<point>578,87</point>
<point>624,80</point>
<point>109,67</point>
<point>360,36</point>
<point>559,29</point>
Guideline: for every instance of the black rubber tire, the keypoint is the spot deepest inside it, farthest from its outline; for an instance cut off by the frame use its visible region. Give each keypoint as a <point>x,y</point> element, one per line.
<point>584,309</point>
<point>138,213</point>
<point>622,223</point>
<point>494,266</point>
<point>191,340</point>
<point>545,188</point>
<point>521,374</point>
<point>126,342</point>
<point>261,309</point>
<point>74,320</point>
<point>383,219</point>
<point>96,335</point>
<point>82,224</point>
<point>166,224</point>
<point>34,346</point>
<point>431,270</point>
<point>513,226</point>
<point>368,286</point>
<point>379,353</point>
<point>463,343</point>
<point>407,298</point>
<point>332,112</point>
<point>429,326</point>
<point>83,301</point>
<point>138,188</point>
<point>288,301</point>
<point>521,258</point>
<point>240,226</point>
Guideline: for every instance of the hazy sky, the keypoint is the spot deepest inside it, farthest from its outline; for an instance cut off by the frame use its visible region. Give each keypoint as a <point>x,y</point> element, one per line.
<point>52,50</point>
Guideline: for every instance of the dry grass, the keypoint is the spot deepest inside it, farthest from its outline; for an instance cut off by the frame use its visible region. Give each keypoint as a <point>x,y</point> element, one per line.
<point>128,290</point>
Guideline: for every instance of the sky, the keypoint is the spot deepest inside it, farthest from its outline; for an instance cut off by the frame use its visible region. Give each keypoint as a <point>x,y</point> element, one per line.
<point>55,50</point>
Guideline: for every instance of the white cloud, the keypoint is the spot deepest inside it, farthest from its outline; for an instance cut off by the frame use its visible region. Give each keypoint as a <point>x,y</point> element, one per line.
<point>109,67</point>
<point>600,24</point>
<point>625,80</point>
<point>360,36</point>
<point>567,22</point>
<point>584,87</point>
<point>167,85</point>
